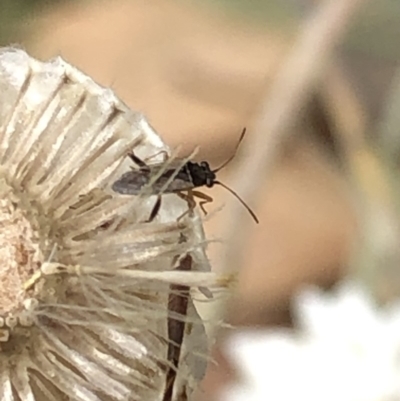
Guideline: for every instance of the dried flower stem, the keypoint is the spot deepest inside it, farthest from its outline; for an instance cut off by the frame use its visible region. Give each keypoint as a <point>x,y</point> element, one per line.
<point>177,305</point>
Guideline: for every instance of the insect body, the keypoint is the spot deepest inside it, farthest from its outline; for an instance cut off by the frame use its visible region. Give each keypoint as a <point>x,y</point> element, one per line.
<point>183,182</point>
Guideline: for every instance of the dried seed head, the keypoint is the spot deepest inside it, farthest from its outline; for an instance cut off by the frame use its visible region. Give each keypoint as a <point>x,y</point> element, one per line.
<point>84,282</point>
<point>20,254</point>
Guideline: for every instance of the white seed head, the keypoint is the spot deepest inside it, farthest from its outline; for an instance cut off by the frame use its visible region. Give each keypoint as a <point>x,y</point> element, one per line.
<point>85,281</point>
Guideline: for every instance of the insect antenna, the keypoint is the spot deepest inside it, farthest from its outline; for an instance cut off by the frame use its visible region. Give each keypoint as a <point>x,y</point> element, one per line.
<point>234,153</point>
<point>253,215</point>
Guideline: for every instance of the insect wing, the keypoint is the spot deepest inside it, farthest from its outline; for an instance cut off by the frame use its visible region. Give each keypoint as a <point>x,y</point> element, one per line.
<point>132,182</point>
<point>170,181</point>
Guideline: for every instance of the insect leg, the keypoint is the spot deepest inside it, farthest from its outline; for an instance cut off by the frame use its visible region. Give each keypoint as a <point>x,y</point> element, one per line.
<point>142,165</point>
<point>205,199</point>
<point>190,201</point>
<point>161,152</point>
<point>155,210</point>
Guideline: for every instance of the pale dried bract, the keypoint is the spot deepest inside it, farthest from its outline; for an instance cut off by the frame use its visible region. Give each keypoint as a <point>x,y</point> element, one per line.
<point>75,321</point>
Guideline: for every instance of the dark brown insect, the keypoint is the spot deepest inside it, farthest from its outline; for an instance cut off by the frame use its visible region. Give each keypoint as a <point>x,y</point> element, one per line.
<point>182,182</point>
<point>177,307</point>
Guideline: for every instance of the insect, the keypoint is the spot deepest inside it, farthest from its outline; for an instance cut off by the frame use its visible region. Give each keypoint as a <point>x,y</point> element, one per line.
<point>182,182</point>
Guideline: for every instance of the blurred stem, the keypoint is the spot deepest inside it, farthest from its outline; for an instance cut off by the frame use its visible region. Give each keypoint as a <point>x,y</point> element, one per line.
<point>290,90</point>
<point>377,261</point>
<point>390,124</point>
<point>379,256</point>
<point>376,258</point>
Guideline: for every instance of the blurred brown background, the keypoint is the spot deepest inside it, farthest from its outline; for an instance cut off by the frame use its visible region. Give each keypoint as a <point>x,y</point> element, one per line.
<point>198,71</point>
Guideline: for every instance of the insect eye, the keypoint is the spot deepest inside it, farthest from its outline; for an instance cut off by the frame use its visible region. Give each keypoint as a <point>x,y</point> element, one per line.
<point>205,165</point>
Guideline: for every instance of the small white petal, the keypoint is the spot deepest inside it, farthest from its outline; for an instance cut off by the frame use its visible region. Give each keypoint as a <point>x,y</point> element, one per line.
<point>355,358</point>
